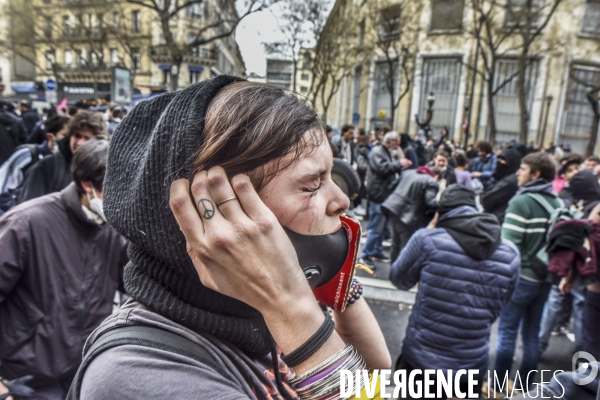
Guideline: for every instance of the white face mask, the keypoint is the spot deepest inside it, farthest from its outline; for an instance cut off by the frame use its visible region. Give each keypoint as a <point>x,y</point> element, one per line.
<point>96,205</point>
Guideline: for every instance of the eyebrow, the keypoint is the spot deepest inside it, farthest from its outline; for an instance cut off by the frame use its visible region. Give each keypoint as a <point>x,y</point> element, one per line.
<point>314,175</point>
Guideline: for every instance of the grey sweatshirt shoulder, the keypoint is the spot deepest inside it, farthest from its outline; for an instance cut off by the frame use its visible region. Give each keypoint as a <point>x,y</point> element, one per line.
<point>142,373</point>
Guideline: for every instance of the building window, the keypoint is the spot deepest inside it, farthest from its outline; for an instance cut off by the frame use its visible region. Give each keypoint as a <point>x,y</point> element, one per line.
<point>381,93</point>
<point>116,18</point>
<point>506,100</point>
<point>49,60</point>
<point>446,15</point>
<point>48,27</point>
<point>88,22</point>
<point>136,59</point>
<point>66,25</point>
<point>591,19</point>
<point>441,76</point>
<point>304,77</point>
<point>136,22</point>
<point>166,77</point>
<point>578,116</point>
<point>68,58</point>
<point>303,89</point>
<point>194,77</point>
<point>194,11</point>
<point>522,13</point>
<point>389,23</point>
<point>306,65</point>
<point>114,56</point>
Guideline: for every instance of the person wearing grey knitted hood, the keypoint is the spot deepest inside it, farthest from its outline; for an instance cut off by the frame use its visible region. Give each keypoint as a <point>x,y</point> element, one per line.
<point>205,183</point>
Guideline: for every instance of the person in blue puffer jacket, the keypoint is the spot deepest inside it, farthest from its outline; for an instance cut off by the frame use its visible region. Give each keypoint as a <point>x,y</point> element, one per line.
<point>466,274</point>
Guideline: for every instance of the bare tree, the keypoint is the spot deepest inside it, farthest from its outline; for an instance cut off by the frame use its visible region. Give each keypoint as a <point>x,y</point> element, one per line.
<point>530,18</point>
<point>593,96</point>
<point>336,53</point>
<point>397,40</point>
<point>222,23</point>
<point>293,25</point>
<point>503,30</point>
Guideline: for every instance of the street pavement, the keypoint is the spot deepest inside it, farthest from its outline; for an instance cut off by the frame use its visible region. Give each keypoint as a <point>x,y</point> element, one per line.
<point>392,308</point>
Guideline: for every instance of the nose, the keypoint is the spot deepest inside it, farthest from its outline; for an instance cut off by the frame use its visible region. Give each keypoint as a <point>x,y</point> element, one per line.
<point>338,201</point>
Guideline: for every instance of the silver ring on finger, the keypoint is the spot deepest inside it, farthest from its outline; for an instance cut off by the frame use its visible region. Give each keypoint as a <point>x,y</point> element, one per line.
<point>226,200</point>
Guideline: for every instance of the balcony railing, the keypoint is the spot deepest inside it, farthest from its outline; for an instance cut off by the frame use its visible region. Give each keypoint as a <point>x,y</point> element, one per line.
<point>82,67</point>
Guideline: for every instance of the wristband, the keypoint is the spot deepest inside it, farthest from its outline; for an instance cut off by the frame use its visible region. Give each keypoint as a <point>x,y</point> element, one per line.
<point>312,345</point>
<point>356,291</point>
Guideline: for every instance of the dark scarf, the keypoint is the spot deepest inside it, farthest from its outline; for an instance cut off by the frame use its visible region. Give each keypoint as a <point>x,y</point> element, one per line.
<point>153,146</point>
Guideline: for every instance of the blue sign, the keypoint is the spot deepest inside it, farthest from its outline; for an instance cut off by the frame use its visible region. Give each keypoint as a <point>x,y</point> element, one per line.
<point>50,85</point>
<point>26,87</point>
<point>355,118</point>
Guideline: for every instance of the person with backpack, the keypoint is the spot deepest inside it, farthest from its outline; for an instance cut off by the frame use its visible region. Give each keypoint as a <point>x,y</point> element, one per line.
<point>584,196</point>
<point>25,157</point>
<point>526,225</point>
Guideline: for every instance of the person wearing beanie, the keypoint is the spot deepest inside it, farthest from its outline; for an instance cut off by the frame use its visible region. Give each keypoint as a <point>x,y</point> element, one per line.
<point>414,196</point>
<point>205,183</point>
<point>53,174</point>
<point>60,267</point>
<point>466,274</point>
<point>504,184</point>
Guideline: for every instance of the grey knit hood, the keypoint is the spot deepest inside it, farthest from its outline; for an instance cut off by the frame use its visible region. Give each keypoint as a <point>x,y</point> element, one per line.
<point>153,146</point>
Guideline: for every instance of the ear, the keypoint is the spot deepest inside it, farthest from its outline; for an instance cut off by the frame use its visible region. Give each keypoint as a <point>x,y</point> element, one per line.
<point>87,186</point>
<point>536,175</point>
<point>49,137</point>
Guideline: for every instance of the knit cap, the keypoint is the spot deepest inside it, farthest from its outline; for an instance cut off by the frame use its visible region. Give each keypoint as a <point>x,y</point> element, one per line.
<point>153,146</point>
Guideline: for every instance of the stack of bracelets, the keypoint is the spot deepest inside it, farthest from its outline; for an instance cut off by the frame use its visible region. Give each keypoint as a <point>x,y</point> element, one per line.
<point>323,381</point>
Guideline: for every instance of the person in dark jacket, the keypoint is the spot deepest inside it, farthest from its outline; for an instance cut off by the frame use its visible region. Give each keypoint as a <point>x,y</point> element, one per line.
<point>408,147</point>
<point>348,147</point>
<point>11,136</point>
<point>484,166</point>
<point>60,267</point>
<point>466,274</point>
<point>52,174</point>
<point>116,116</point>
<point>382,176</point>
<point>362,164</point>
<point>29,116</point>
<point>406,206</point>
<point>504,184</point>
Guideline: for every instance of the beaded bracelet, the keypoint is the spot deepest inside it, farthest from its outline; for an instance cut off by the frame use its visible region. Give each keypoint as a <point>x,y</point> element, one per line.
<point>356,291</point>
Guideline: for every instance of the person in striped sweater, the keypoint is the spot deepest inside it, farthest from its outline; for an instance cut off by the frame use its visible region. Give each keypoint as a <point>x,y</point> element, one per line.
<point>525,225</point>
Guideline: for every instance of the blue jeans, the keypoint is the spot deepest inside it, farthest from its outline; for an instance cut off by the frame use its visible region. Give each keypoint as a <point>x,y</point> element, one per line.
<point>524,309</point>
<point>553,306</point>
<point>376,227</point>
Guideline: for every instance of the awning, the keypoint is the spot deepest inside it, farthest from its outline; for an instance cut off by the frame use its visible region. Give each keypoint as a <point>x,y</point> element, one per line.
<point>194,68</point>
<point>165,67</point>
<point>23,87</point>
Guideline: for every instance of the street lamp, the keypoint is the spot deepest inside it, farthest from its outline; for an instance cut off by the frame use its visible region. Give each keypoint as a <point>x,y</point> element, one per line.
<point>430,101</point>
<point>549,99</point>
<point>424,128</point>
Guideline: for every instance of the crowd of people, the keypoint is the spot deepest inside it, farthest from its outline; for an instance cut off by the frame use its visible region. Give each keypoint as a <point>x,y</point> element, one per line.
<point>494,207</point>
<point>197,209</point>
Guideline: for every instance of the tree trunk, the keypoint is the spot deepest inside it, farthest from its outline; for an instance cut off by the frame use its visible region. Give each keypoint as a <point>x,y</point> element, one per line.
<point>593,135</point>
<point>491,113</point>
<point>522,94</point>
